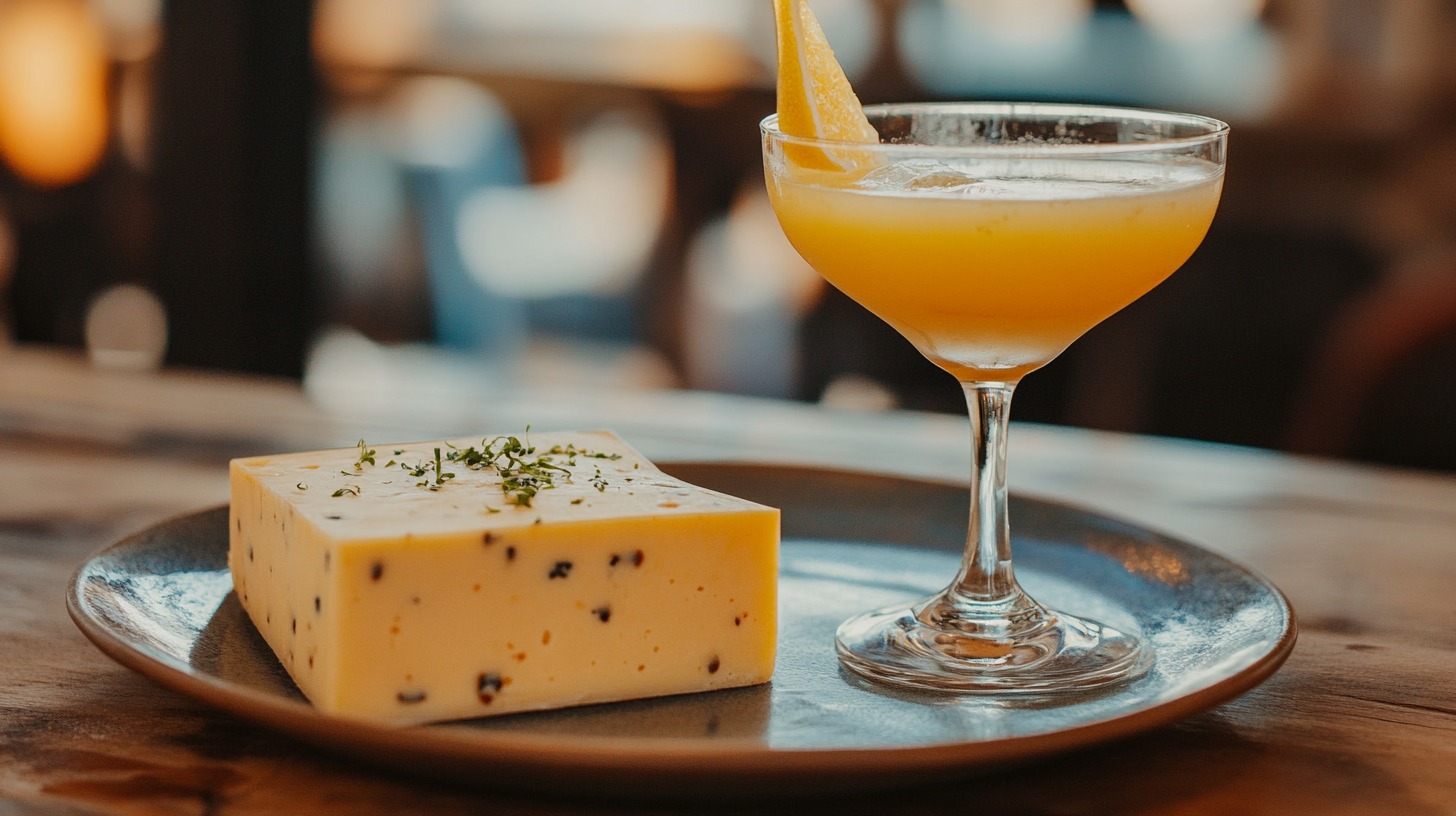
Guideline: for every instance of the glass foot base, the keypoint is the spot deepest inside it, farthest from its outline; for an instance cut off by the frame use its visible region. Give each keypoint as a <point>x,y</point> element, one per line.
<point>1062,653</point>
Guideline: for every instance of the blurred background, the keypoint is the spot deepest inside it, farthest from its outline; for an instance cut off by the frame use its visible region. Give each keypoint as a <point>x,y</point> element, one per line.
<point>364,193</point>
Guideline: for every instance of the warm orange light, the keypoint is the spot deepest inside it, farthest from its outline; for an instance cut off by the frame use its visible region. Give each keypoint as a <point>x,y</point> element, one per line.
<point>370,33</point>
<point>52,90</point>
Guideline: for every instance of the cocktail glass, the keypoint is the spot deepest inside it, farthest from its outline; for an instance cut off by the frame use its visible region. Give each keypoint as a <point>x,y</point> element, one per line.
<point>992,236</point>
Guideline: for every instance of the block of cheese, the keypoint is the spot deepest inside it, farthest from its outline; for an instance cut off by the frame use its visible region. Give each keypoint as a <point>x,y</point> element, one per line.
<point>463,578</point>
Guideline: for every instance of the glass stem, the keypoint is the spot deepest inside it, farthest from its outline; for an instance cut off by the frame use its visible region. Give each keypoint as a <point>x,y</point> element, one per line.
<point>985,599</point>
<point>986,575</point>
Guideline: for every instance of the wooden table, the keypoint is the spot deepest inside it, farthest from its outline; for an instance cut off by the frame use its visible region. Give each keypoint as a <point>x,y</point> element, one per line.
<point>1361,720</point>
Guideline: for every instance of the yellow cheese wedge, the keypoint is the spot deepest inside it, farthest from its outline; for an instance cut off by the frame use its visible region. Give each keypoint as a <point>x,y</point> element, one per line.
<point>447,580</point>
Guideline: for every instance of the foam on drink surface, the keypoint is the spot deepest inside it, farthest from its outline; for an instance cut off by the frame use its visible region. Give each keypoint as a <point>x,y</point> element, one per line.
<point>1030,180</point>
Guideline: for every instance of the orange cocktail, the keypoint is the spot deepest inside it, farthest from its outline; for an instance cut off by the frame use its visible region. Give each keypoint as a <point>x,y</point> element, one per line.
<point>992,235</point>
<point>991,278</point>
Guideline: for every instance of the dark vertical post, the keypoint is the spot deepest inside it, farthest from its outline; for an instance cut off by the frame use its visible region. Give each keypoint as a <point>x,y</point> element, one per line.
<point>235,111</point>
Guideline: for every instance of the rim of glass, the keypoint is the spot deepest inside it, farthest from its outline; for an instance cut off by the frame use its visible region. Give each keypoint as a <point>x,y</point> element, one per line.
<point>1216,130</point>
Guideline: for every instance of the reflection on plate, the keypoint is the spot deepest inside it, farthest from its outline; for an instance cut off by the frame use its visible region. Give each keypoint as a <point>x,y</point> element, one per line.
<point>161,603</point>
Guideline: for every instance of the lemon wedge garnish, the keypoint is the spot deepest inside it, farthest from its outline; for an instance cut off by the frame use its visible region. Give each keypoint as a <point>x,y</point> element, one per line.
<point>815,99</point>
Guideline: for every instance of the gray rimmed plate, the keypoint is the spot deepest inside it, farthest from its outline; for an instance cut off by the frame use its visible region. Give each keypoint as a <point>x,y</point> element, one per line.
<point>161,603</point>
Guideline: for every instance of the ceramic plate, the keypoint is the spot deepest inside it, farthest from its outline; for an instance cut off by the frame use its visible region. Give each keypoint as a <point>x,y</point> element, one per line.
<point>161,602</point>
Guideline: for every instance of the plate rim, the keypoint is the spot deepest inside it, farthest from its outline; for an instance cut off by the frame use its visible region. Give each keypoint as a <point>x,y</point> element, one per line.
<point>675,757</point>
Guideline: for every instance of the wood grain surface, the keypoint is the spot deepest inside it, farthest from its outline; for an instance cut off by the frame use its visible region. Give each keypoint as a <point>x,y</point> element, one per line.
<point>1361,720</point>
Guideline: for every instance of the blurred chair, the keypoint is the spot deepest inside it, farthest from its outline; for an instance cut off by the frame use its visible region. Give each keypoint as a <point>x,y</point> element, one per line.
<point>745,293</point>
<point>1383,386</point>
<point>455,139</point>
<point>570,252</point>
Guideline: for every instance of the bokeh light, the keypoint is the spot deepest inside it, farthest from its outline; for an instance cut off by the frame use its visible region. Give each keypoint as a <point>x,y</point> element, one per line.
<point>126,329</point>
<point>53,121</point>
